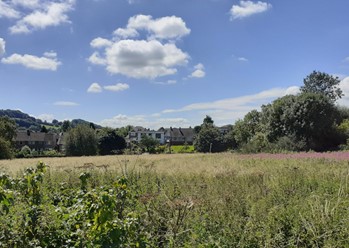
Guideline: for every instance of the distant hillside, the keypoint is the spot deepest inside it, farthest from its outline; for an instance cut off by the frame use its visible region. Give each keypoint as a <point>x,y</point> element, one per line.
<point>25,121</point>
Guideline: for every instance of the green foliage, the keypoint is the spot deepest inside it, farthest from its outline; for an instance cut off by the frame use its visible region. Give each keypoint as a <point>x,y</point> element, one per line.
<point>7,129</point>
<point>5,149</point>
<point>149,144</point>
<point>209,138</point>
<point>66,126</point>
<point>43,129</point>
<point>81,141</point>
<point>7,134</point>
<point>308,117</point>
<point>109,142</point>
<point>243,202</point>
<point>322,83</point>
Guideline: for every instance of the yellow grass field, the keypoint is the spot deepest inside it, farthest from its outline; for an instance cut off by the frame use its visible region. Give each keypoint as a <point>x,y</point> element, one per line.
<point>209,164</point>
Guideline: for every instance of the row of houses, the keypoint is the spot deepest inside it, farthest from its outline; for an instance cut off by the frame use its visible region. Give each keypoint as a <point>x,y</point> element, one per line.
<point>40,141</point>
<point>173,136</point>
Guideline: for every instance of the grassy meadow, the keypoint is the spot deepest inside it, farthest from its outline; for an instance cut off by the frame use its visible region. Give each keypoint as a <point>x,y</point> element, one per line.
<point>175,200</point>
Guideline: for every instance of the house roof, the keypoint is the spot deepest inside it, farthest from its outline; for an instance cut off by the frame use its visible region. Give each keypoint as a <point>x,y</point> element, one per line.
<point>35,136</point>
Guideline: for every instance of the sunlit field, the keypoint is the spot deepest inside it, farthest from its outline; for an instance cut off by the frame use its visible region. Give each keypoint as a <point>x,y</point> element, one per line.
<point>179,200</point>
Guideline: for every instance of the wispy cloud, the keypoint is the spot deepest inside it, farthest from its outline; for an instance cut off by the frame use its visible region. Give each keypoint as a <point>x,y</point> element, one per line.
<point>144,120</point>
<point>248,8</point>
<point>237,103</point>
<point>117,87</point>
<point>66,104</point>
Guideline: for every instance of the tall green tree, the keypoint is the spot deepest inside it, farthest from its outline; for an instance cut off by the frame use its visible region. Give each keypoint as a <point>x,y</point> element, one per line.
<point>109,142</point>
<point>307,117</point>
<point>210,139</point>
<point>7,128</point>
<point>66,125</point>
<point>322,83</point>
<point>7,135</point>
<point>81,141</point>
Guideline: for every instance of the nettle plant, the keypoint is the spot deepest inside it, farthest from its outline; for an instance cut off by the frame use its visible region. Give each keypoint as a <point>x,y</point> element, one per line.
<point>36,214</point>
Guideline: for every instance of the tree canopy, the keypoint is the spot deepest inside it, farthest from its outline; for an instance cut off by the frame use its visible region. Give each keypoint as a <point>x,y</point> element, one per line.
<point>322,83</point>
<point>109,142</point>
<point>81,141</point>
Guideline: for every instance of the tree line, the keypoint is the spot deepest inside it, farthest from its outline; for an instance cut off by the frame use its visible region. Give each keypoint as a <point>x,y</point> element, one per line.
<point>309,120</point>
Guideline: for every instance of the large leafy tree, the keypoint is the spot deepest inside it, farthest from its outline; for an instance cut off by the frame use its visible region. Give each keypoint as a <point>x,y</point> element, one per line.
<point>81,141</point>
<point>307,117</point>
<point>7,134</point>
<point>322,83</point>
<point>109,142</point>
<point>210,139</point>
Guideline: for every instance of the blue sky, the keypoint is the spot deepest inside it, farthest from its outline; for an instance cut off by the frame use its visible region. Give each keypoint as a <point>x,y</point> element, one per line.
<point>164,62</point>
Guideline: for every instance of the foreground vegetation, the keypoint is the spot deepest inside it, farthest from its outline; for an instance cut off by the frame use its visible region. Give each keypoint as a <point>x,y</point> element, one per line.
<point>195,200</point>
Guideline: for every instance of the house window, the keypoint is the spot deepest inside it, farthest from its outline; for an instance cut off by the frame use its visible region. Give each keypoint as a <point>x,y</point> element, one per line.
<point>158,135</point>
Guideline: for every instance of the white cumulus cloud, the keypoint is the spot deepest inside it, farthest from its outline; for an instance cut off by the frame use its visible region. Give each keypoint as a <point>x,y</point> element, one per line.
<point>168,27</point>
<point>117,87</point>
<point>45,14</point>
<point>248,8</point>
<point>141,58</point>
<point>199,71</point>
<point>2,46</point>
<point>100,42</point>
<point>94,88</point>
<point>47,62</point>
<point>152,56</point>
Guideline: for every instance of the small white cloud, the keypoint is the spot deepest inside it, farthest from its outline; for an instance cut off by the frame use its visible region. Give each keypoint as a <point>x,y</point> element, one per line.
<point>51,54</point>
<point>344,86</point>
<point>346,59</point>
<point>96,59</point>
<point>66,104</point>
<point>293,90</point>
<point>242,59</point>
<point>117,87</point>
<point>8,11</point>
<point>248,8</point>
<point>50,14</point>
<point>94,88</point>
<point>2,46</point>
<point>46,117</point>
<point>33,62</point>
<point>100,42</point>
<point>199,71</point>
<point>168,82</point>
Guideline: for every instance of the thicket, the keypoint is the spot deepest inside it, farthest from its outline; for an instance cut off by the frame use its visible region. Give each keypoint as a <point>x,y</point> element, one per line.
<point>269,203</point>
